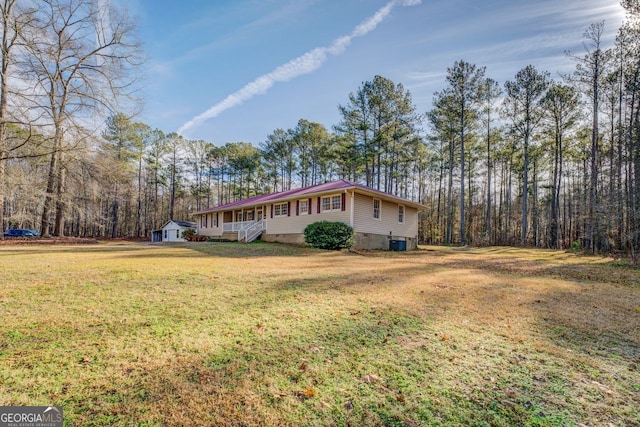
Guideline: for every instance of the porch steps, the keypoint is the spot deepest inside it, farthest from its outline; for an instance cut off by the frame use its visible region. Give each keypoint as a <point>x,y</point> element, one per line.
<point>251,231</point>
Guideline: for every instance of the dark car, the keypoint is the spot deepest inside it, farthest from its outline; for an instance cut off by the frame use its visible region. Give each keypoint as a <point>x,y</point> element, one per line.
<point>21,232</point>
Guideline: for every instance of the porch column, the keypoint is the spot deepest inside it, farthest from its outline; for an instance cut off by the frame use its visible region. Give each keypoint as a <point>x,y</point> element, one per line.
<point>352,208</point>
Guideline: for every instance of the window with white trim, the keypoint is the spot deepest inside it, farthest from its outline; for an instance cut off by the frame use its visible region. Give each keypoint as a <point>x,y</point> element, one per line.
<point>331,203</point>
<point>304,206</point>
<point>401,214</point>
<point>281,209</point>
<point>336,203</point>
<point>326,204</point>
<point>214,220</point>
<point>377,204</point>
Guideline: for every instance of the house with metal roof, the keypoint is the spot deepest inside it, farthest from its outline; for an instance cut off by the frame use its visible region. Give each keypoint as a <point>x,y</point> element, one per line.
<point>380,220</point>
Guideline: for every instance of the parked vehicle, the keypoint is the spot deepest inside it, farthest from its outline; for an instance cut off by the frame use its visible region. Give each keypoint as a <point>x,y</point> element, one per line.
<point>21,232</point>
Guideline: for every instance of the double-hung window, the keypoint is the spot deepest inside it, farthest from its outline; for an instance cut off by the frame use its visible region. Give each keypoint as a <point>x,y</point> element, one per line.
<point>377,204</point>
<point>304,206</point>
<point>400,214</point>
<point>336,203</point>
<point>280,209</point>
<point>331,203</point>
<point>326,204</point>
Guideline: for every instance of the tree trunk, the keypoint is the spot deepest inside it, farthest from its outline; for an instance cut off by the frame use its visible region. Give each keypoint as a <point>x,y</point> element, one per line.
<point>534,212</point>
<point>61,203</point>
<point>7,44</point>
<point>449,232</point>
<point>438,209</point>
<point>48,200</point>
<point>173,191</point>
<point>488,215</point>
<point>593,226</point>
<point>507,218</point>
<point>463,236</point>
<point>139,204</point>
<point>553,232</point>
<point>114,213</point>
<point>525,191</point>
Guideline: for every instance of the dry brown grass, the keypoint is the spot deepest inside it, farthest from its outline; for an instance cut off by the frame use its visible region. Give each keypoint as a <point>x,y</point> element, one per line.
<point>230,334</point>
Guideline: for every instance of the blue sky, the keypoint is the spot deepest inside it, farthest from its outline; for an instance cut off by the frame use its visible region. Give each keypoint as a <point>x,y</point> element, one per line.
<point>259,65</point>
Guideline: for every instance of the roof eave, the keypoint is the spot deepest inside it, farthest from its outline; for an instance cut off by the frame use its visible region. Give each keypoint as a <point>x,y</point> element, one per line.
<point>361,189</point>
<point>379,194</point>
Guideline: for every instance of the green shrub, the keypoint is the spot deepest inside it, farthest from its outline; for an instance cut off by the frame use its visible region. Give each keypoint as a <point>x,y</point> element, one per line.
<point>188,234</point>
<point>328,235</point>
<point>192,235</point>
<point>575,245</point>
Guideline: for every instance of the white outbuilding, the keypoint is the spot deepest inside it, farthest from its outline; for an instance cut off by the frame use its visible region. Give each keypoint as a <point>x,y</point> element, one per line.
<point>171,231</point>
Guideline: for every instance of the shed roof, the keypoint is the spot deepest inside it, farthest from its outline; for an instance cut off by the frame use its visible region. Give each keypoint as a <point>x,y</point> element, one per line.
<point>185,224</point>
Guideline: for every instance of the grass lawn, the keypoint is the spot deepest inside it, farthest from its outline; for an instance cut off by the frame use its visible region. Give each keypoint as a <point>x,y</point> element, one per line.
<point>264,334</point>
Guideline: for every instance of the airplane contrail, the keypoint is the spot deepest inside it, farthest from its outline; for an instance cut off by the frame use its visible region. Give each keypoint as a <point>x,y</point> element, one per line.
<point>303,64</point>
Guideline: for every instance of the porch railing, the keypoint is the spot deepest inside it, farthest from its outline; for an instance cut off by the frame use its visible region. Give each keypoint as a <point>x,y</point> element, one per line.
<point>250,232</point>
<point>235,226</point>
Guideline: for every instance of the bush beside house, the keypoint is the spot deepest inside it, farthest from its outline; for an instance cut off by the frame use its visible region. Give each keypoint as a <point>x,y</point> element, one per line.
<point>329,235</point>
<point>192,235</point>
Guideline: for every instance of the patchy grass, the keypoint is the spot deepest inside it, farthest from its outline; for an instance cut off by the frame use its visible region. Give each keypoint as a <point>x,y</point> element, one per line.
<point>266,334</point>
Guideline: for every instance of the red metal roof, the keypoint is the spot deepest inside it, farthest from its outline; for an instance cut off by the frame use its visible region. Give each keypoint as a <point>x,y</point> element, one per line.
<point>306,191</point>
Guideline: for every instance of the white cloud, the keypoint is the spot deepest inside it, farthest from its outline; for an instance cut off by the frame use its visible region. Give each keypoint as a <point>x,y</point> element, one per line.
<point>304,64</point>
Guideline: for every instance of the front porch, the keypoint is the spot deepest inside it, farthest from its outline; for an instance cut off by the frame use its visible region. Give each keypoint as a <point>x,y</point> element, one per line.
<point>244,225</point>
<point>244,231</point>
<point>244,215</point>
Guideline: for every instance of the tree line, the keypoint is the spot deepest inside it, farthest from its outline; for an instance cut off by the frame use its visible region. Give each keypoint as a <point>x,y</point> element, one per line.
<point>534,161</point>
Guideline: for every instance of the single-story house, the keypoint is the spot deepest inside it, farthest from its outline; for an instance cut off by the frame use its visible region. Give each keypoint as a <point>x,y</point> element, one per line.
<point>377,218</point>
<point>172,231</point>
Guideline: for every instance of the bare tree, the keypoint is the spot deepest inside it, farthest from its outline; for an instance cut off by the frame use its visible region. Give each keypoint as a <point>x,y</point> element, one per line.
<point>81,60</point>
<point>13,21</point>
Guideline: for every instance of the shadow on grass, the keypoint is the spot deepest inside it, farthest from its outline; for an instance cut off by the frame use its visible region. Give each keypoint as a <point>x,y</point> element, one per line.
<point>299,351</point>
<point>154,250</point>
<point>366,366</point>
<point>225,250</point>
<point>80,249</point>
<point>257,248</point>
<point>580,336</point>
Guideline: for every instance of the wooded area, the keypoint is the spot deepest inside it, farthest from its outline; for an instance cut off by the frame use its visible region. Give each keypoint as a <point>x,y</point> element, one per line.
<point>533,161</point>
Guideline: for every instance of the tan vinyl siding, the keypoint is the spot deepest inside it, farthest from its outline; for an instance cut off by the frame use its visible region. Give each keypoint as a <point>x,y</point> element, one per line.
<point>388,222</point>
<point>210,230</point>
<point>297,223</point>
